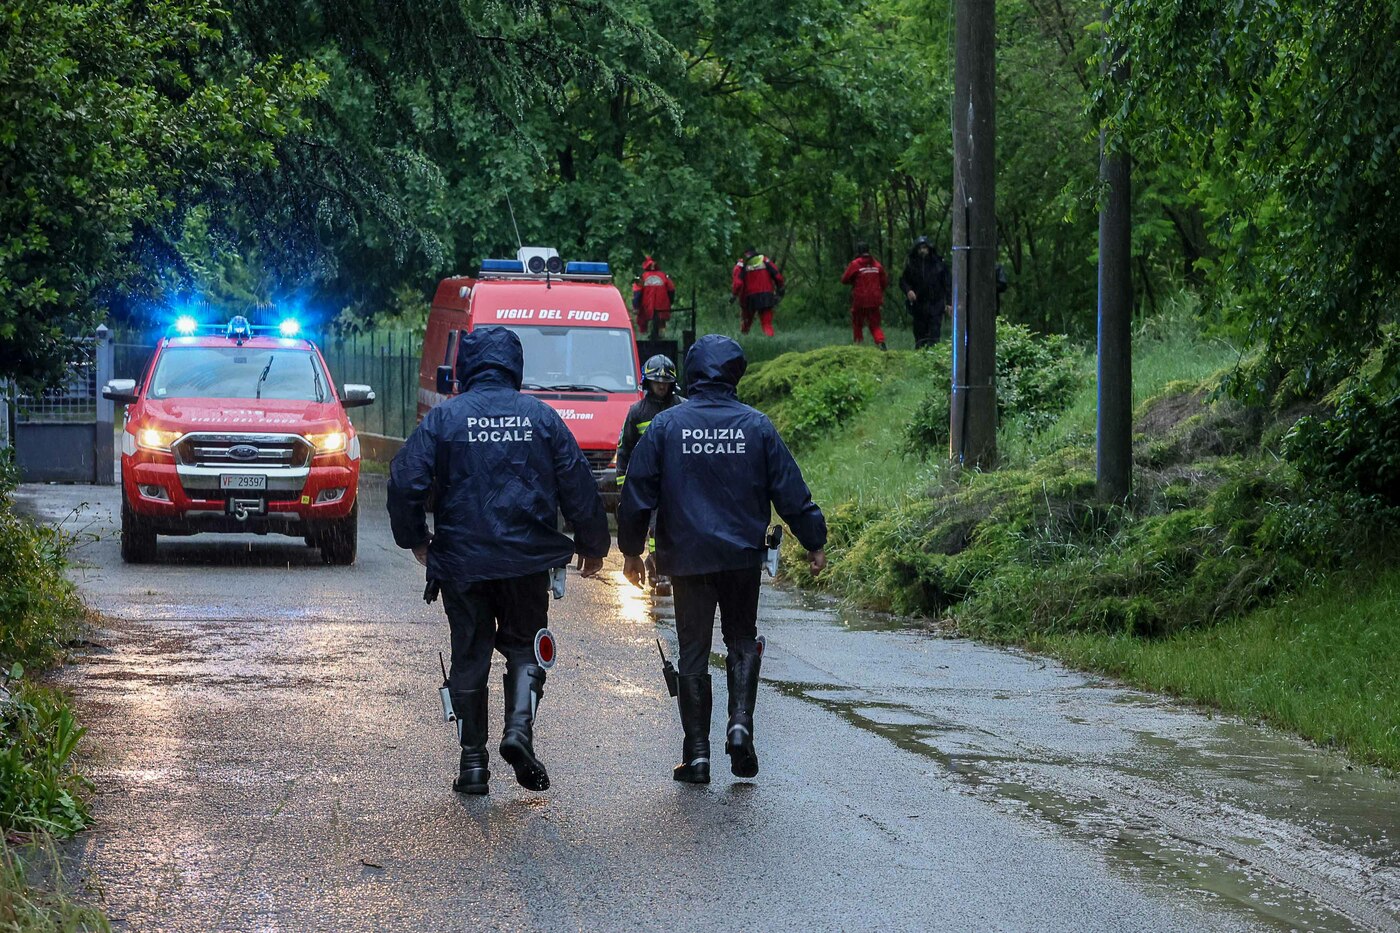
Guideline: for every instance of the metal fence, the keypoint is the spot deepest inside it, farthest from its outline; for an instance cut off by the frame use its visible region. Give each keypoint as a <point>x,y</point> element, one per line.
<point>385,361</point>
<point>72,400</point>
<point>64,433</point>
<point>388,362</point>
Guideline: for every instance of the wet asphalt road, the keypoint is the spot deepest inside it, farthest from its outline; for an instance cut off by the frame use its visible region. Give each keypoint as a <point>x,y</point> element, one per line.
<point>268,752</point>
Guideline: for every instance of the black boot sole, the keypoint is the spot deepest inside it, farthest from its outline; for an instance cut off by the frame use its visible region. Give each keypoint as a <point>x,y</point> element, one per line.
<point>743,760</point>
<point>529,773</point>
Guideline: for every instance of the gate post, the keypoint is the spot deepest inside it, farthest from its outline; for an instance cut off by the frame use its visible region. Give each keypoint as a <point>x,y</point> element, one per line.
<point>102,446</point>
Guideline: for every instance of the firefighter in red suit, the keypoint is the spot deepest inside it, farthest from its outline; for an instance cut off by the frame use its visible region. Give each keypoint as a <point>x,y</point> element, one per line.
<point>758,285</point>
<point>655,297</point>
<point>868,280</point>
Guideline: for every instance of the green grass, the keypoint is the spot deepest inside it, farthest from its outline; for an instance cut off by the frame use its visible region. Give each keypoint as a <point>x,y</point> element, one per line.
<point>1166,350</point>
<point>863,462</point>
<point>1321,663</point>
<point>34,897</point>
<point>795,333</point>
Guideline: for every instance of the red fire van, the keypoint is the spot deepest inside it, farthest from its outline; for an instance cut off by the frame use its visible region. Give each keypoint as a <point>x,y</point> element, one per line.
<point>580,350</point>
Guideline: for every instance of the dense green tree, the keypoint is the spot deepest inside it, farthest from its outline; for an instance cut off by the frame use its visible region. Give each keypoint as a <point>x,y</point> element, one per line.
<point>1285,120</point>
<point>116,116</point>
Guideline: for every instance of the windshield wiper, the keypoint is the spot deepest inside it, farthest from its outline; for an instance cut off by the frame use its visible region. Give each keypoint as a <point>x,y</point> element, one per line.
<point>316,375</point>
<point>263,377</point>
<point>577,387</point>
<point>532,386</point>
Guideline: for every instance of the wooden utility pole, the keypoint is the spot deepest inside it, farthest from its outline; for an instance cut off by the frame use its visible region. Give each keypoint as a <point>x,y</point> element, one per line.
<point>974,401</point>
<point>1114,460</point>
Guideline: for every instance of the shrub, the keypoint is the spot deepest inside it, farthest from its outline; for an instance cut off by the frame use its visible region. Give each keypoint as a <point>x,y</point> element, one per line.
<point>38,603</point>
<point>820,404</point>
<point>38,791</point>
<point>39,615</point>
<point>1355,449</point>
<point>807,394</point>
<point>1036,380</point>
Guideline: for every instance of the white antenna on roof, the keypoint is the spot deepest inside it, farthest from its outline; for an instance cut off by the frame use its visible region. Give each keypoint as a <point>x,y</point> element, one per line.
<point>520,244</point>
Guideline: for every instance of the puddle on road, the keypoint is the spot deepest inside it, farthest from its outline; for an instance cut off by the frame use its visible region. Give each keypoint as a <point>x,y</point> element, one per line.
<point>1142,849</point>
<point>1236,815</point>
<point>228,655</point>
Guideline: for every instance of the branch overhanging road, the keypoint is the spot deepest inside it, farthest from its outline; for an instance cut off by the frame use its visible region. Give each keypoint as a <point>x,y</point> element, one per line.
<point>267,745</point>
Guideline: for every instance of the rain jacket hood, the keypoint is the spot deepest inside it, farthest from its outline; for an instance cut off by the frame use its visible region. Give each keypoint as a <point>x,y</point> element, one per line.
<point>488,352</point>
<point>715,363</point>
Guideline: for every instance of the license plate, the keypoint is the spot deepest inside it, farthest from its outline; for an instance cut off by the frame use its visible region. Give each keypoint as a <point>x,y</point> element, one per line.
<point>242,481</point>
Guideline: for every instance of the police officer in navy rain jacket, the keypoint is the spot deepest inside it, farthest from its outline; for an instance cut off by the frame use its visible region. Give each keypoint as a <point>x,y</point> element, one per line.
<point>713,469</point>
<point>501,465</point>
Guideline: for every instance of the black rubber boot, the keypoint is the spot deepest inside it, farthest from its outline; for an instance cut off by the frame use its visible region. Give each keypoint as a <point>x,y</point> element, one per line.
<point>524,688</point>
<point>743,691</point>
<point>695,702</point>
<point>469,706</point>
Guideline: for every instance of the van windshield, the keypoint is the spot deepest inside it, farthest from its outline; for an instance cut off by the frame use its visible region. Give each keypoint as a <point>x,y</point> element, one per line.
<point>239,372</point>
<point>597,359</point>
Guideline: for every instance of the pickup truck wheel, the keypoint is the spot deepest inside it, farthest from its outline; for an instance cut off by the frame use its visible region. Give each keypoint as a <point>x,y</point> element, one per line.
<point>340,539</point>
<point>138,541</point>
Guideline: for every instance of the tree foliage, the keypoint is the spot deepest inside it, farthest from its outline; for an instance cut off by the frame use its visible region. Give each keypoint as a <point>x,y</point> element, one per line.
<point>1285,118</point>
<point>115,117</point>
<point>348,153</point>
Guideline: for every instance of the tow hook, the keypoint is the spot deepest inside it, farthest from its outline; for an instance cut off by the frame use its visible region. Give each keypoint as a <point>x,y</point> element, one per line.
<point>242,508</point>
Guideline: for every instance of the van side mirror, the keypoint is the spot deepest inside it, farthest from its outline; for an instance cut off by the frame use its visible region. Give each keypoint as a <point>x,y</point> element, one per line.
<point>446,385</point>
<point>356,396</point>
<point>121,390</point>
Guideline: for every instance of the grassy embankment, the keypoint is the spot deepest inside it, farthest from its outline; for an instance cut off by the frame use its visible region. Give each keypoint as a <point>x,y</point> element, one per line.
<point>41,797</point>
<point>1225,579</point>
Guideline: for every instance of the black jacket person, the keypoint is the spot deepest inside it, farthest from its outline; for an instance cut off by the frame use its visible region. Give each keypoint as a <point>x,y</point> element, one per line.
<point>713,469</point>
<point>500,465</point>
<point>927,287</point>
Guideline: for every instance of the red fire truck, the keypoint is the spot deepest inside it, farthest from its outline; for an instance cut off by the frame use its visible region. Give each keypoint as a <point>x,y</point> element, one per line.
<point>580,350</point>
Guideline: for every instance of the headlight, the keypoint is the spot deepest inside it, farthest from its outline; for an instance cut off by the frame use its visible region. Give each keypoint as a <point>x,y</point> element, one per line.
<point>152,439</point>
<point>332,443</point>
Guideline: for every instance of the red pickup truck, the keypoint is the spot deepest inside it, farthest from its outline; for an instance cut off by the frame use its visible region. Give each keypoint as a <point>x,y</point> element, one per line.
<point>236,429</point>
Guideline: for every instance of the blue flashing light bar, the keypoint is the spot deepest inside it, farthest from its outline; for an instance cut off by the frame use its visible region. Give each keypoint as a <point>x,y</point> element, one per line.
<point>587,268</point>
<point>502,265</point>
<point>289,328</point>
<point>185,325</point>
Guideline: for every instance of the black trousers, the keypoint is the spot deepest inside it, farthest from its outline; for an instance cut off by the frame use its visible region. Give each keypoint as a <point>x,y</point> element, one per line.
<point>928,323</point>
<point>735,592</point>
<point>499,614</point>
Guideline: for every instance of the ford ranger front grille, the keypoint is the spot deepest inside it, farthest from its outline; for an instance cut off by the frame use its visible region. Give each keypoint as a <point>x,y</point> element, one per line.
<point>247,450</point>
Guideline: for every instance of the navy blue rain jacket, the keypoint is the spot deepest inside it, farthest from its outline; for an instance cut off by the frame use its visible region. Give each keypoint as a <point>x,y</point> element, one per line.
<point>501,464</point>
<point>711,468</point>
